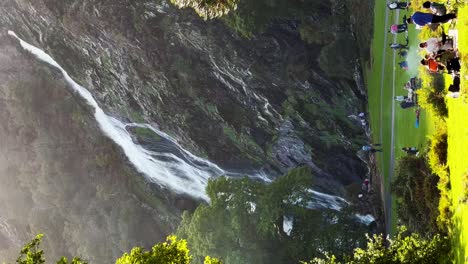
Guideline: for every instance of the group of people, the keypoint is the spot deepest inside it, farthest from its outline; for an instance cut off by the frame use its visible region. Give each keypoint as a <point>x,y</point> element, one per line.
<point>436,15</point>
<point>441,53</point>
<point>410,99</point>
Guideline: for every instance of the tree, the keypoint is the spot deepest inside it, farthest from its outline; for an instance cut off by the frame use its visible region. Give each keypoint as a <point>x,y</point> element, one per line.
<point>244,222</point>
<point>208,9</point>
<point>415,186</point>
<point>32,254</point>
<point>173,251</point>
<point>404,248</point>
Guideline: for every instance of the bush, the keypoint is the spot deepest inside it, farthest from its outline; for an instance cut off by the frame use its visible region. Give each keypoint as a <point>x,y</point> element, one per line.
<point>208,9</point>
<point>416,189</point>
<point>431,96</point>
<point>403,248</point>
<point>437,158</point>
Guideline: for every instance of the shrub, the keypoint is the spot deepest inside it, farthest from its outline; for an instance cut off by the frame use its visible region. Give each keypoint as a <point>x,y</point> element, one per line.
<point>415,187</point>
<point>437,158</point>
<point>431,96</point>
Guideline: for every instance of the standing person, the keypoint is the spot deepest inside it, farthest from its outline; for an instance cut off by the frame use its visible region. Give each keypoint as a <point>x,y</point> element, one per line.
<point>370,148</point>
<point>396,46</point>
<point>421,19</point>
<point>398,5</point>
<point>410,150</point>
<point>450,60</point>
<point>435,8</point>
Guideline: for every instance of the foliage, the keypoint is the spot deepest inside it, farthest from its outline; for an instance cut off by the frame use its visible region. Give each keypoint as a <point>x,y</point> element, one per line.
<point>253,16</point>
<point>32,254</point>
<point>431,96</point>
<point>416,190</point>
<point>404,248</point>
<point>244,222</point>
<point>437,157</point>
<point>464,195</point>
<point>171,251</point>
<point>210,260</point>
<point>208,9</point>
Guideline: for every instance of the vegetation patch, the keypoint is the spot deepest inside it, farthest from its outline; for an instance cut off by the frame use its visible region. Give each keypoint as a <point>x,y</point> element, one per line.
<point>415,187</point>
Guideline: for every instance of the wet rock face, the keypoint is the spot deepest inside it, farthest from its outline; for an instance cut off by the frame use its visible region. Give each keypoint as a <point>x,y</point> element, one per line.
<point>223,96</point>
<point>60,176</point>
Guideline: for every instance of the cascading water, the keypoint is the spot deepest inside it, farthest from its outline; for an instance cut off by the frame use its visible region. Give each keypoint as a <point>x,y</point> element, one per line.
<point>170,165</point>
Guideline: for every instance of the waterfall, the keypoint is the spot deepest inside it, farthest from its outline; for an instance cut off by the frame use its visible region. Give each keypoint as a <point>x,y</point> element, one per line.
<point>174,168</point>
<point>322,200</point>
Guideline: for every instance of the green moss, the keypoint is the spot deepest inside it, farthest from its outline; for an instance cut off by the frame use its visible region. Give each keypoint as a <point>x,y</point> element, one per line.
<point>315,34</point>
<point>207,107</point>
<point>136,116</point>
<point>146,133</point>
<point>252,17</point>
<point>244,143</point>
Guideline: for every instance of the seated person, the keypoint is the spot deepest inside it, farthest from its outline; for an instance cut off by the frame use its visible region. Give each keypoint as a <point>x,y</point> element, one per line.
<point>435,8</point>
<point>407,86</point>
<point>398,5</point>
<point>410,150</point>
<point>450,60</point>
<point>434,45</point>
<point>432,65</point>
<point>454,89</point>
<point>403,98</point>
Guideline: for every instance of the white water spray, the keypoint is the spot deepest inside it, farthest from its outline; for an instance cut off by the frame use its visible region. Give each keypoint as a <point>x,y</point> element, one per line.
<point>322,200</point>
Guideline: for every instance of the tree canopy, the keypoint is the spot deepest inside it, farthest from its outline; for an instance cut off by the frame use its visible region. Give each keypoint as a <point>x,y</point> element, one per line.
<point>403,248</point>
<point>173,251</point>
<point>244,222</point>
<point>208,9</point>
<point>415,187</point>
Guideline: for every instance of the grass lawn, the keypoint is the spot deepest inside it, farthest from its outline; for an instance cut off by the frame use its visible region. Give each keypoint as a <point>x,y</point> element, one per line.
<point>381,97</point>
<point>405,132</point>
<point>457,126</point>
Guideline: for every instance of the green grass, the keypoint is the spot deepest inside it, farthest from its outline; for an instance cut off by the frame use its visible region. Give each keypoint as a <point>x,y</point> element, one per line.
<point>405,132</point>
<point>457,126</point>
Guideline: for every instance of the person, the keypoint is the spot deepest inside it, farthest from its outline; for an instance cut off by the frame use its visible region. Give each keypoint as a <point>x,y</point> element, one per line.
<point>401,98</point>
<point>396,46</point>
<point>421,19</point>
<point>408,87</point>
<point>449,60</point>
<point>370,148</point>
<point>434,45</point>
<point>398,5</point>
<point>403,65</point>
<point>432,65</point>
<point>410,150</point>
<point>435,8</point>
<point>366,185</point>
<point>454,88</point>
<point>395,28</point>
